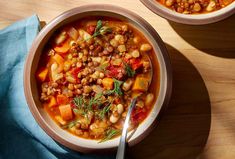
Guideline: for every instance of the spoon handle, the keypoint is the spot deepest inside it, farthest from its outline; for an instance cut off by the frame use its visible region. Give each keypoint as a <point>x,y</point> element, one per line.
<point>122,144</point>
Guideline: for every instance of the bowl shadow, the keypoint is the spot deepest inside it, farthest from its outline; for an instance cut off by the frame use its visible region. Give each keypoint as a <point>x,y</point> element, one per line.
<point>183,129</point>
<point>216,39</point>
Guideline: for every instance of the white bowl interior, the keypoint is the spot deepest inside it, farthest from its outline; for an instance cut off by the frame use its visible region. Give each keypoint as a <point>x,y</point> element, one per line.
<point>93,144</point>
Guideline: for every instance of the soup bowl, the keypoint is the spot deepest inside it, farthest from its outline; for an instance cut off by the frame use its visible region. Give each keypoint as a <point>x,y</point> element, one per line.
<point>31,90</point>
<point>192,19</point>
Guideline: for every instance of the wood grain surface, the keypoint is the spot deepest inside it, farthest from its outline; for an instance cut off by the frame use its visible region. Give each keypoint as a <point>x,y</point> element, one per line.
<point>200,120</point>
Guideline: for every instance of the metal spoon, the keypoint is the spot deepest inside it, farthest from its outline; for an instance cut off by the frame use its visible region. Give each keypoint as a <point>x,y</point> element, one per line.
<point>122,143</point>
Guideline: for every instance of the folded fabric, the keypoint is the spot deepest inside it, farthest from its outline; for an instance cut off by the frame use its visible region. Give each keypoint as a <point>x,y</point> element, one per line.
<point>20,135</point>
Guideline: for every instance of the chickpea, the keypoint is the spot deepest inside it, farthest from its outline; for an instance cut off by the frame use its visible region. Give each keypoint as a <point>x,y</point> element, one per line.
<point>79,75</point>
<point>136,39</point>
<point>79,64</point>
<point>70,93</point>
<point>70,56</point>
<point>97,73</point>
<point>145,47</point>
<point>197,7</point>
<point>101,75</point>
<point>79,85</point>
<point>114,42</point>
<point>71,86</point>
<point>85,72</point>
<point>74,60</point>
<point>121,48</point>
<point>99,81</point>
<point>149,99</point>
<point>84,81</point>
<point>169,3</point>
<point>113,119</point>
<point>211,6</point>
<point>119,38</point>
<point>78,91</point>
<point>87,89</point>
<point>125,28</point>
<point>120,108</point>
<point>72,43</point>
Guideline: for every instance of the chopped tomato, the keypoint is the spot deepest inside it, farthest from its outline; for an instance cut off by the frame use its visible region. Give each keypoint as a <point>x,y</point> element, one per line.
<point>62,99</point>
<point>138,115</point>
<point>91,29</point>
<point>116,72</point>
<point>136,63</point>
<point>75,72</point>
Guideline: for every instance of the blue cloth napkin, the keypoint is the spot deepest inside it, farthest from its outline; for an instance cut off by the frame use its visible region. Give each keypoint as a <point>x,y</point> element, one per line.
<point>20,135</point>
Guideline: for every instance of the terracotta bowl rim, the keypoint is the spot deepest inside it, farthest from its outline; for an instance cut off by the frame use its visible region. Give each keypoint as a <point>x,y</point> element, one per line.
<point>76,11</point>
<point>199,19</point>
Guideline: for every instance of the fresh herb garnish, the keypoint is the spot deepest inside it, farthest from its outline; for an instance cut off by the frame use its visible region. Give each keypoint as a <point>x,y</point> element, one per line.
<point>130,72</point>
<point>100,29</point>
<point>78,101</point>
<point>70,124</point>
<point>105,110</point>
<point>96,100</point>
<point>110,133</point>
<point>117,88</point>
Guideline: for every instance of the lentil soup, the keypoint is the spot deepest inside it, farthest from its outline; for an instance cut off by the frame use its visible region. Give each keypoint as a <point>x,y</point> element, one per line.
<point>90,70</point>
<point>195,6</point>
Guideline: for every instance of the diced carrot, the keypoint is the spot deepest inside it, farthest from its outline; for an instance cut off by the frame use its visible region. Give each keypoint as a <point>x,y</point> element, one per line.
<point>66,112</point>
<point>141,84</point>
<point>42,74</point>
<point>60,61</point>
<point>62,99</point>
<point>107,83</point>
<point>63,48</point>
<point>52,102</point>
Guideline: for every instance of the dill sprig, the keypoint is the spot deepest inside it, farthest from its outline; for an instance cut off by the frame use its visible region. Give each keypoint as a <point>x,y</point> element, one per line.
<point>109,134</point>
<point>117,88</point>
<point>100,29</point>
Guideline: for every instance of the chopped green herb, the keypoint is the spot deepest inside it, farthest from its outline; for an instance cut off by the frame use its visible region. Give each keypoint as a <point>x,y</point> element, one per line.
<point>101,30</point>
<point>78,101</point>
<point>105,110</point>
<point>70,125</point>
<point>110,133</point>
<point>117,88</point>
<point>129,71</point>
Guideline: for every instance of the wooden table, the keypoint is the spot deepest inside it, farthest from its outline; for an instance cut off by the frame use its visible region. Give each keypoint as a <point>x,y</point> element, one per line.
<point>200,120</point>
